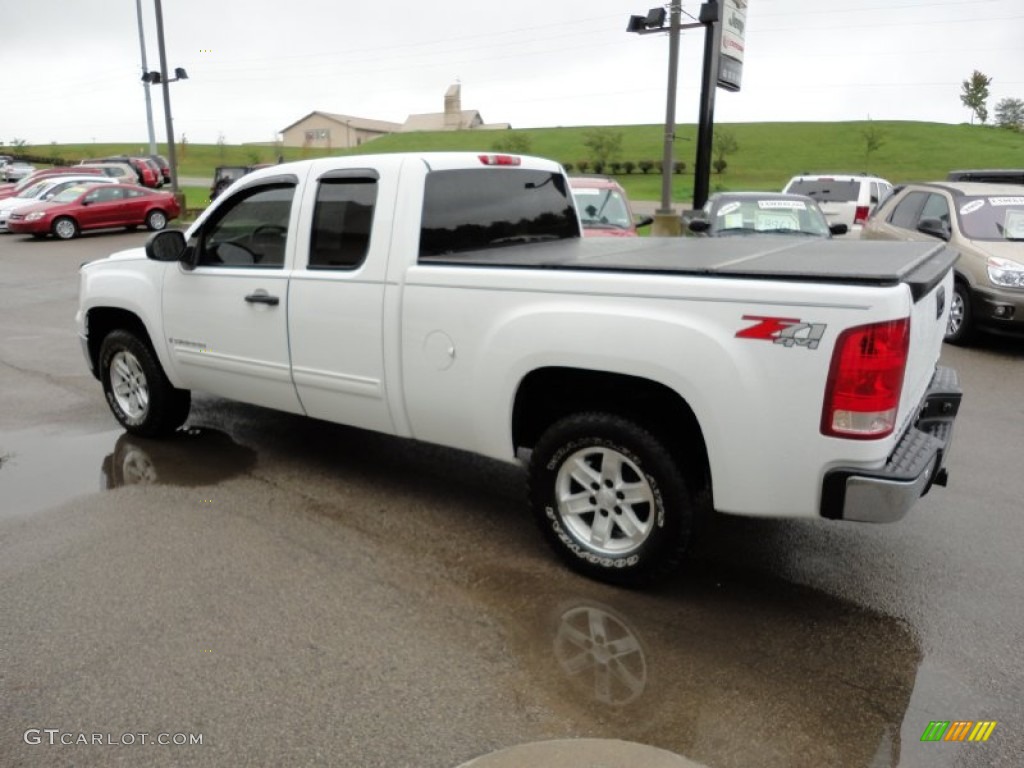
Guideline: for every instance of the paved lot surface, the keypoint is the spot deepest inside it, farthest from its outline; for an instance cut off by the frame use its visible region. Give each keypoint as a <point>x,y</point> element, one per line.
<point>298,593</point>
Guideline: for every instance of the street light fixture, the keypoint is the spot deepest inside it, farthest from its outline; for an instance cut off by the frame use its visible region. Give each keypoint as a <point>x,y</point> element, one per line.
<point>665,220</point>
<point>155,78</point>
<point>164,81</point>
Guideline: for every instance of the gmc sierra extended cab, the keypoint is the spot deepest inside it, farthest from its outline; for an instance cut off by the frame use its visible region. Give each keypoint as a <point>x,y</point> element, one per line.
<point>449,298</point>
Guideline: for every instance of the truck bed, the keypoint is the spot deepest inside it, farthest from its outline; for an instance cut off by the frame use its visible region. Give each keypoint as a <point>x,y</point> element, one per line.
<point>920,265</point>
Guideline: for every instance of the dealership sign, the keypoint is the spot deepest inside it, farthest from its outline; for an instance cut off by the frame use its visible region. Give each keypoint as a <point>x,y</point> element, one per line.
<point>730,59</point>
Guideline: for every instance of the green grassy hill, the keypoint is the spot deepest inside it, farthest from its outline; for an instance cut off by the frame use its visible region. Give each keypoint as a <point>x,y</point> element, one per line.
<point>768,153</point>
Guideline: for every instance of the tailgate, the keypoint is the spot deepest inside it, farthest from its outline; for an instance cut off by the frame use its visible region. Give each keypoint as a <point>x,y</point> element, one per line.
<point>838,213</point>
<point>931,289</point>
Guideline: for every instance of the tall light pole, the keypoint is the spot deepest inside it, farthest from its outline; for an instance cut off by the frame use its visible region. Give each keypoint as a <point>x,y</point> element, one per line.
<point>145,82</point>
<point>172,157</point>
<point>666,223</point>
<point>667,159</point>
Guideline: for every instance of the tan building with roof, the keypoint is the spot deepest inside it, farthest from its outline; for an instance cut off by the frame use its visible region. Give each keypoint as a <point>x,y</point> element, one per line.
<point>326,130</point>
<point>330,131</point>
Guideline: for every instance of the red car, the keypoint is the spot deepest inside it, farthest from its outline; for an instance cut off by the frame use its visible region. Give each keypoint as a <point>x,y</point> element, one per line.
<point>85,206</point>
<point>12,190</point>
<point>604,208</point>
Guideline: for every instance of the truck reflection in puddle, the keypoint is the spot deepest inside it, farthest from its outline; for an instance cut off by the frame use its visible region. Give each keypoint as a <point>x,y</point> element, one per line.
<point>730,669</point>
<point>193,456</point>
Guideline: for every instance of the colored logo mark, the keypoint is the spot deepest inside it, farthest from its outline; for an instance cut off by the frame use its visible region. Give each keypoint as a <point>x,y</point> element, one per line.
<point>958,730</point>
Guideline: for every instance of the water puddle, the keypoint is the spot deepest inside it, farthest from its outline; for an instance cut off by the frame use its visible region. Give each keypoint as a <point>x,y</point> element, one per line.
<point>40,470</point>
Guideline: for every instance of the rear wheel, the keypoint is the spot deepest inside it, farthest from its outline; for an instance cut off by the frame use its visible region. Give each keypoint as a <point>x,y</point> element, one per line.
<point>960,326</point>
<point>156,220</point>
<point>610,499</point>
<point>138,392</point>
<point>65,228</point>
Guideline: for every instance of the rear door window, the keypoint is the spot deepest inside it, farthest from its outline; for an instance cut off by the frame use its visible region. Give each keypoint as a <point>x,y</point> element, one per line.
<point>481,208</point>
<point>342,221</point>
<point>826,190</point>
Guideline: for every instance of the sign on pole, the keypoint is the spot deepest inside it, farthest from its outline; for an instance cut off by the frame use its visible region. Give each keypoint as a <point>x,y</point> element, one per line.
<point>730,59</point>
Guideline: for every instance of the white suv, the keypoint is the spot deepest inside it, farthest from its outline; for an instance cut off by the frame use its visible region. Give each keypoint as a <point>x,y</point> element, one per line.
<point>845,198</point>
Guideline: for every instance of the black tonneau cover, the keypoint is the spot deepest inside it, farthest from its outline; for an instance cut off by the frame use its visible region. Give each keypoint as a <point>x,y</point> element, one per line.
<point>921,265</point>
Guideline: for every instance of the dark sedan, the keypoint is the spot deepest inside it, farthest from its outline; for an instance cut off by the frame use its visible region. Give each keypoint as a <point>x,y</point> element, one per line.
<point>88,206</point>
<point>762,213</point>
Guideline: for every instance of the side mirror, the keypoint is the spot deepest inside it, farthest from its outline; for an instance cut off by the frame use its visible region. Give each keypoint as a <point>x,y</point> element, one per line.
<point>933,227</point>
<point>166,245</point>
<point>642,221</point>
<point>699,225</point>
<point>838,229</point>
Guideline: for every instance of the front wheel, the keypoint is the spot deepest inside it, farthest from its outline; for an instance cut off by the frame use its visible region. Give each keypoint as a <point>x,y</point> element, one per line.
<point>156,220</point>
<point>138,392</point>
<point>65,228</point>
<point>610,499</point>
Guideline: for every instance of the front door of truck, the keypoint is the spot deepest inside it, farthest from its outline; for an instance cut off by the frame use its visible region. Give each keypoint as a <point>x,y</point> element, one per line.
<point>226,320</point>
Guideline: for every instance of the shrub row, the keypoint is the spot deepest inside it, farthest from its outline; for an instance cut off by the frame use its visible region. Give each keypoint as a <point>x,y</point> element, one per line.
<point>626,166</point>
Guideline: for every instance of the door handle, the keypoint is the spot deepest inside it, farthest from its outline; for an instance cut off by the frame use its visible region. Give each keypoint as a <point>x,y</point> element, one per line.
<point>262,297</point>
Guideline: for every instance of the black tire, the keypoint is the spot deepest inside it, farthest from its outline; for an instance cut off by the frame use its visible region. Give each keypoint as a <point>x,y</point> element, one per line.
<point>64,228</point>
<point>634,526</point>
<point>137,390</point>
<point>156,220</point>
<point>960,328</point>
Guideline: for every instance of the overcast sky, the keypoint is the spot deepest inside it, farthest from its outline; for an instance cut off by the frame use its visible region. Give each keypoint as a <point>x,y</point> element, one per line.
<point>71,68</point>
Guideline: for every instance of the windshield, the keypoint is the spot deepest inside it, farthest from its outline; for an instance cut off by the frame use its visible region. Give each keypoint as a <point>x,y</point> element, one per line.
<point>745,217</point>
<point>35,190</point>
<point>995,217</point>
<point>68,195</point>
<point>602,208</point>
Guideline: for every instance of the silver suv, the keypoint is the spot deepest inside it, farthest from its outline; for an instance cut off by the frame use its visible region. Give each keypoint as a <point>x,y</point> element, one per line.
<point>844,198</point>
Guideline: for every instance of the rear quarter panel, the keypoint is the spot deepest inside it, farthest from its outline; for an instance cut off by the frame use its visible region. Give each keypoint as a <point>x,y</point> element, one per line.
<point>758,402</point>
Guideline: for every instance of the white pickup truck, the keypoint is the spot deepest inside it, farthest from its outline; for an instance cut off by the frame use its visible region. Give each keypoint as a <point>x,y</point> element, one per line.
<point>448,298</point>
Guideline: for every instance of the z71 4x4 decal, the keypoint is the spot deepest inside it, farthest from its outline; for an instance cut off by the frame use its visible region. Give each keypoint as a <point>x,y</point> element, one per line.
<point>788,331</point>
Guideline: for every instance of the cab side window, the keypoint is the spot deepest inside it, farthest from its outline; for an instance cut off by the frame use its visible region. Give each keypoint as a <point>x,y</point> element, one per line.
<point>250,231</point>
<point>342,221</point>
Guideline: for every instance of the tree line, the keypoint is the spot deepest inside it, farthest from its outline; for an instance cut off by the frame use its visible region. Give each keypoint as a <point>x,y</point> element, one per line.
<point>974,94</point>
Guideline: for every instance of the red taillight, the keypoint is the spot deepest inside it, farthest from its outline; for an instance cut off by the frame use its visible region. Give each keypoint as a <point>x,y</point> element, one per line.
<point>860,215</point>
<point>499,159</point>
<point>862,395</point>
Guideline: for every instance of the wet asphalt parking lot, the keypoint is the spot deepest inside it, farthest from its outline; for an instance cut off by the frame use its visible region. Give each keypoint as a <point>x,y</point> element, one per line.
<point>293,592</point>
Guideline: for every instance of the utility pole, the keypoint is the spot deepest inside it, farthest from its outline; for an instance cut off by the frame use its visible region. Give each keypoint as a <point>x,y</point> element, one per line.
<point>145,82</point>
<point>665,220</point>
<point>172,157</point>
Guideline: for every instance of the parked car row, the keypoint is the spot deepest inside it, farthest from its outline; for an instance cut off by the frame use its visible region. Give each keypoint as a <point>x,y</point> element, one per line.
<point>978,212</point>
<point>152,171</point>
<point>66,206</point>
